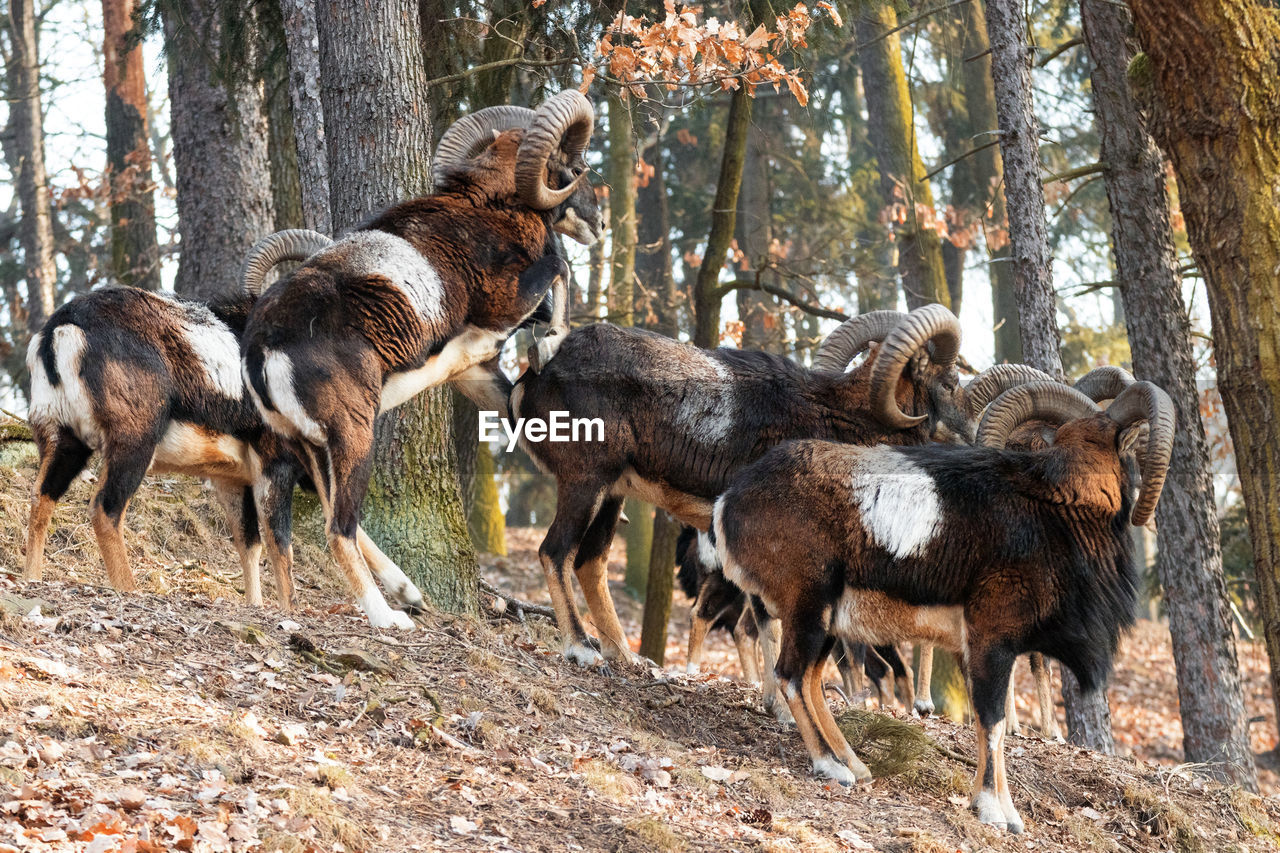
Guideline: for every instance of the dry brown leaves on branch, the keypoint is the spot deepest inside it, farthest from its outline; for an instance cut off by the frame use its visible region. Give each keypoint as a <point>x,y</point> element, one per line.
<point>680,50</point>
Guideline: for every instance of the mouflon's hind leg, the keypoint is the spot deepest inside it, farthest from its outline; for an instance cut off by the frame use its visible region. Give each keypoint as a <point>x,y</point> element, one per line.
<point>242,522</point>
<point>392,577</point>
<point>62,458</point>
<point>590,565</point>
<point>576,508</point>
<point>124,469</point>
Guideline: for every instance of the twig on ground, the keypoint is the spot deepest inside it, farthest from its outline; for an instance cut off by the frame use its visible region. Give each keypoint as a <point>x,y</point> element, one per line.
<point>521,607</point>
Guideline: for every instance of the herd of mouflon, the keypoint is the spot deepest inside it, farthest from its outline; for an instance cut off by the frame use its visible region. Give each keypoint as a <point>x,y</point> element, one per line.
<point>847,506</point>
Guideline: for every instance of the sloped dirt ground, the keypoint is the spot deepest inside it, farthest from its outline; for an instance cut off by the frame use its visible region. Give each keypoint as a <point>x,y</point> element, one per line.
<point>179,719</point>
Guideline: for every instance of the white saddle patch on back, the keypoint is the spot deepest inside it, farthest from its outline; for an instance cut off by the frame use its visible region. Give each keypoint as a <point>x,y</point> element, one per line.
<point>707,410</point>
<point>897,500</point>
<point>379,253</point>
<point>218,352</point>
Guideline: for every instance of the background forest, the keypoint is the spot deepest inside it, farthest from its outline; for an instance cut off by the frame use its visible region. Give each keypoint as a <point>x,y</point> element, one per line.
<point>768,169</point>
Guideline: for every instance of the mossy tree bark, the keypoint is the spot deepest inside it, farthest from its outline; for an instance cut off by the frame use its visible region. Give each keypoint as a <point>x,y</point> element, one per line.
<point>484,516</point>
<point>372,75</point>
<point>219,129</point>
<point>1215,729</point>
<point>1211,70</point>
<point>891,131</point>
<point>135,256</point>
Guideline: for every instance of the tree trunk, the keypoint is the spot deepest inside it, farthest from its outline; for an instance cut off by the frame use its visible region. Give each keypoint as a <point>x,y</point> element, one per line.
<point>707,293</point>
<point>308,114</point>
<point>219,131</point>
<point>372,75</point>
<point>654,272</point>
<point>26,122</point>
<point>504,40</point>
<point>1024,194</point>
<point>621,175</point>
<point>282,150</point>
<point>484,517</point>
<point>892,134</point>
<point>1211,70</point>
<point>758,311</point>
<point>872,264</point>
<point>135,257</point>
<point>1088,717</point>
<point>1215,729</point>
<point>987,178</point>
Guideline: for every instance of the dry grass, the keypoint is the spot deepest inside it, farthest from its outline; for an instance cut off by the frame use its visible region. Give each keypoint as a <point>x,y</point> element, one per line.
<point>653,834</point>
<point>1163,819</point>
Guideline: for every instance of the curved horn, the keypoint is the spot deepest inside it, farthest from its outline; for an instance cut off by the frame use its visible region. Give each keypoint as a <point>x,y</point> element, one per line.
<point>1047,401</point>
<point>852,337</point>
<point>1143,401</point>
<point>564,121</point>
<point>471,134</point>
<point>295,244</point>
<point>997,379</point>
<point>1104,383</point>
<point>927,323</point>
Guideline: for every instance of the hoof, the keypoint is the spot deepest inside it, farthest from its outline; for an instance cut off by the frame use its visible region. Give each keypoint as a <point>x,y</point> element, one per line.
<point>829,768</point>
<point>393,619</point>
<point>583,656</point>
<point>923,708</point>
<point>988,810</point>
<point>692,669</point>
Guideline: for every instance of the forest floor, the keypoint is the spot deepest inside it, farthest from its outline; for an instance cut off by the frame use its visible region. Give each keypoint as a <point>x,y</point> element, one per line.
<point>180,719</point>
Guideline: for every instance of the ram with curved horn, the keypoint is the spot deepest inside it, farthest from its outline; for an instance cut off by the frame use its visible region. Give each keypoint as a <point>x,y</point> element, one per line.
<point>426,292</point>
<point>986,551</point>
<point>1099,384</point>
<point>679,421</point>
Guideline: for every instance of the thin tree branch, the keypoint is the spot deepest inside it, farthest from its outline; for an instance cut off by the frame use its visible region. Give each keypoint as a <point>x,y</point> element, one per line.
<point>499,63</point>
<point>1059,50</point>
<point>908,22</point>
<point>1078,172</point>
<point>968,153</point>
<point>781,293</point>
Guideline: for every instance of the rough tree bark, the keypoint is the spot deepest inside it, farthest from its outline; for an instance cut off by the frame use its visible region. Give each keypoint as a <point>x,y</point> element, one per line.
<point>372,75</point>
<point>892,134</point>
<point>1211,71</point>
<point>299,17</point>
<point>220,157</point>
<point>26,122</point>
<point>1088,717</point>
<point>1024,194</point>
<point>135,257</point>
<point>1215,729</point>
